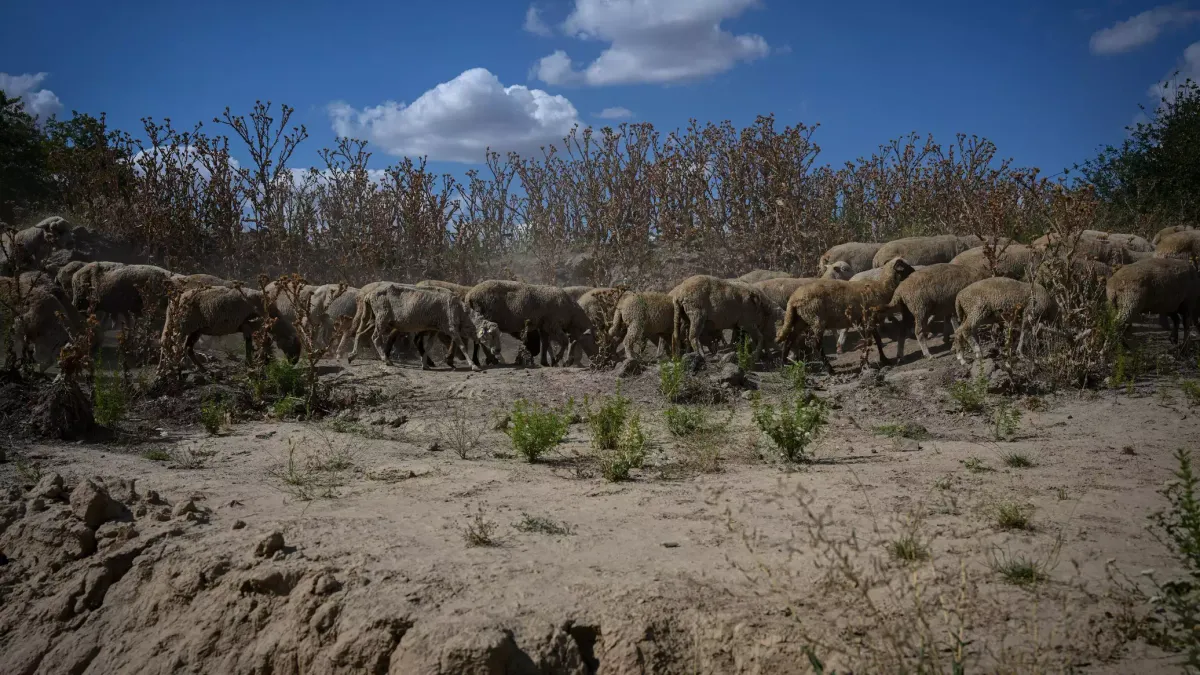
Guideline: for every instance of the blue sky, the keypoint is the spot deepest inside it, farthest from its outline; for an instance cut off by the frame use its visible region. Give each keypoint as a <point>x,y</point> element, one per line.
<point>1049,82</point>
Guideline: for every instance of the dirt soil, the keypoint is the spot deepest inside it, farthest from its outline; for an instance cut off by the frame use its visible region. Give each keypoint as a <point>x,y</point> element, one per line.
<point>342,545</point>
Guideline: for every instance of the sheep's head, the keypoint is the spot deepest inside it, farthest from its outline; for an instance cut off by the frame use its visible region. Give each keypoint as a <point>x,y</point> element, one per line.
<point>896,270</point>
<point>588,342</point>
<point>486,332</point>
<point>839,270</point>
<point>287,339</point>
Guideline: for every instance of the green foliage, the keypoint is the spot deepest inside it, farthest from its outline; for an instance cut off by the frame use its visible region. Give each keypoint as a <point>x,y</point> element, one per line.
<point>1006,419</point>
<point>671,375</point>
<point>745,354</point>
<point>1154,171</point>
<point>1010,516</point>
<point>534,430</point>
<point>686,420</point>
<point>1017,460</point>
<point>542,525</point>
<point>1127,365</point>
<point>795,375</point>
<point>1178,527</point>
<point>24,177</point>
<point>975,465</point>
<point>1020,570</point>
<point>157,455</point>
<point>791,427</point>
<point>214,413</point>
<point>110,398</point>
<point>629,452</point>
<point>903,430</point>
<point>1191,389</point>
<point>908,548</point>
<point>970,394</point>
<point>288,406</point>
<point>608,420</point>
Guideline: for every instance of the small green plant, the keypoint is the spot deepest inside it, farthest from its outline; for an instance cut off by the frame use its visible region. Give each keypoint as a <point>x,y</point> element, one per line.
<point>288,406</point>
<point>459,433</point>
<point>285,379</point>
<point>1017,460</point>
<point>480,531</point>
<point>975,465</point>
<point>629,453</point>
<point>542,525</point>
<point>1010,516</point>
<point>945,482</point>
<point>1191,389</point>
<point>29,472</point>
<point>1061,493</point>
<point>795,376</point>
<point>671,375</point>
<point>908,548</point>
<point>745,354</point>
<point>607,421</point>
<point>1005,421</point>
<point>791,427</point>
<point>1127,365</point>
<point>188,457</point>
<point>157,455</point>
<point>214,414</point>
<point>970,394</point>
<point>903,430</point>
<point>534,430</point>
<point>110,398</point>
<point>1020,569</point>
<point>313,469</point>
<point>683,421</point>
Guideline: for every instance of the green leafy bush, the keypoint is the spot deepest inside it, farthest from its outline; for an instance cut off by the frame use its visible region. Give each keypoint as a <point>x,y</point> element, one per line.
<point>534,429</point>
<point>791,427</point>
<point>608,420</point>
<point>628,454</point>
<point>685,421</point>
<point>110,398</point>
<point>970,394</point>
<point>214,413</point>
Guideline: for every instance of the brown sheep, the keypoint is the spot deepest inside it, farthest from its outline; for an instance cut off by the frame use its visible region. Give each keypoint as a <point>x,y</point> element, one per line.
<point>122,292</point>
<point>858,256</point>
<point>40,316</point>
<point>577,292</point>
<point>780,289</point>
<point>1165,286</point>
<point>928,295</point>
<point>402,308</point>
<point>706,303</point>
<point>925,250</point>
<point>1169,230</point>
<point>996,299</point>
<point>762,275</point>
<point>1184,245</point>
<point>547,309</point>
<point>832,304</point>
<point>641,317</point>
<point>220,310</point>
<point>1013,261</point>
<point>1087,246</point>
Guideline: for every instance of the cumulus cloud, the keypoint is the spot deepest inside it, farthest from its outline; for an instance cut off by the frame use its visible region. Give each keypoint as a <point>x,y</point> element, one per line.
<point>653,41</point>
<point>458,120</point>
<point>38,102</point>
<point>617,113</point>
<point>1188,68</point>
<point>534,23</point>
<point>1141,29</point>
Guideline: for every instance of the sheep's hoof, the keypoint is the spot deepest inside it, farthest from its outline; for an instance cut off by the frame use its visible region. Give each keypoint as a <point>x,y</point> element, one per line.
<point>475,368</point>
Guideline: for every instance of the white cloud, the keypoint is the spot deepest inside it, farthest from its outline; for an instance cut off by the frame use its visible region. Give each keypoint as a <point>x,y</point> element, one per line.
<point>653,41</point>
<point>534,23</point>
<point>457,120</point>
<point>38,102</point>
<point>615,113</point>
<point>1141,29</point>
<point>1188,68</point>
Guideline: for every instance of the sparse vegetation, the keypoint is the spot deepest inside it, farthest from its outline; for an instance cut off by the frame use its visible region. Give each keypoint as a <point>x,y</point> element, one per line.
<point>628,454</point>
<point>792,427</point>
<point>315,467</point>
<point>157,455</point>
<point>1017,460</point>
<point>542,525</point>
<point>215,414</point>
<point>1020,569</point>
<point>1010,516</point>
<point>795,376</point>
<point>908,548</point>
<point>975,465</point>
<point>534,429</point>
<point>910,430</point>
<point>684,421</point>
<point>970,395</point>
<point>479,530</point>
<point>1006,419</point>
<point>110,398</point>
<point>608,421</point>
<point>459,433</point>
<point>1191,389</point>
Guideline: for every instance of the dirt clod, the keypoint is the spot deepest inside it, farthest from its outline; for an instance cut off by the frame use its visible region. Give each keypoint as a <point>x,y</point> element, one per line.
<point>91,503</point>
<point>269,545</point>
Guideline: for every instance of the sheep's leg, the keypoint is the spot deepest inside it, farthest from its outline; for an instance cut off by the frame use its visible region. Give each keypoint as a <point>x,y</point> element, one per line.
<point>248,339</point>
<point>382,345</point>
<point>841,339</point>
<point>1174,327</point>
<point>190,345</point>
<point>879,345</point>
<point>694,326</point>
<point>961,336</point>
<point>367,327</point>
<point>908,322</point>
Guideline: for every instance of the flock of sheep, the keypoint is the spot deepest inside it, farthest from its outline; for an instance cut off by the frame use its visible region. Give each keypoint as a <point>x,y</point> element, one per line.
<point>907,284</point>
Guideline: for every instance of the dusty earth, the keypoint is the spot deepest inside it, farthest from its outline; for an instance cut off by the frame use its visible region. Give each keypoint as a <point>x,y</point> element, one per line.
<point>232,554</point>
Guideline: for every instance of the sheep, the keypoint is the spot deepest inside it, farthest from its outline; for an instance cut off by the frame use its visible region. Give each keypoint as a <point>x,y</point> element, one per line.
<point>1167,286</point>
<point>1184,245</point>
<point>186,281</point>
<point>64,274</point>
<point>858,255</point>
<point>831,303</point>
<point>925,250</point>
<point>641,317</point>
<point>221,310</point>
<point>927,295</point>
<point>393,308</point>
<point>780,289</point>
<point>707,303</point>
<point>330,308</point>
<point>1168,230</point>
<point>873,274</point>
<point>1131,242</point>
<point>283,302</point>
<point>1013,261</point>
<point>762,275</point>
<point>124,291</point>
<point>40,315</point>
<point>1087,246</point>
<point>997,299</point>
<point>599,304</point>
<point>577,292</point>
<point>547,309</point>
<point>436,283</point>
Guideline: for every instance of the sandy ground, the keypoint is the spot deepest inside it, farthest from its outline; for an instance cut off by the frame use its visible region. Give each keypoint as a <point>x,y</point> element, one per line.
<point>683,569</point>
